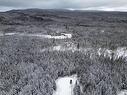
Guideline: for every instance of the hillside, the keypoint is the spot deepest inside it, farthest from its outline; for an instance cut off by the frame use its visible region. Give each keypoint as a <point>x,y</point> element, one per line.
<point>39,46</point>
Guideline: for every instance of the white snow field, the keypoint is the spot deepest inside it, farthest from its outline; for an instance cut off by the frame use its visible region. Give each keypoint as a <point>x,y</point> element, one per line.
<point>62,36</point>
<point>65,85</point>
<point>124,92</point>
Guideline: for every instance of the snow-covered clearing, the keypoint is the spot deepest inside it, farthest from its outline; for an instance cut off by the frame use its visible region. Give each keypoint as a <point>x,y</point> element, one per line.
<point>124,92</point>
<point>7,34</point>
<point>61,36</point>
<point>65,85</point>
<point>120,52</point>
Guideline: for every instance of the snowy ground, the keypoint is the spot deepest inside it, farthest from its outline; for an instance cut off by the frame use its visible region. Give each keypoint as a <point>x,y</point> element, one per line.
<point>62,36</point>
<point>120,52</point>
<point>65,85</point>
<point>123,92</point>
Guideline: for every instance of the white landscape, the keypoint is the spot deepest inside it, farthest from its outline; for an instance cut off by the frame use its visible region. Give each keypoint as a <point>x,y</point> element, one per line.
<point>120,52</point>
<point>40,49</point>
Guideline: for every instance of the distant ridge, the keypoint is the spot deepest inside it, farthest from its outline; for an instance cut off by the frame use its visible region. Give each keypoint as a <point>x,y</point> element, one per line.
<point>60,10</point>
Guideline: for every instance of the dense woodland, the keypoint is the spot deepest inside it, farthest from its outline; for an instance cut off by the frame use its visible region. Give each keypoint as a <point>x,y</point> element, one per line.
<point>24,70</point>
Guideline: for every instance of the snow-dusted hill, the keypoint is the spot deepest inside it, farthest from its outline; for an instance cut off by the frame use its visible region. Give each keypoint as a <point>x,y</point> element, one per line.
<point>40,51</point>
